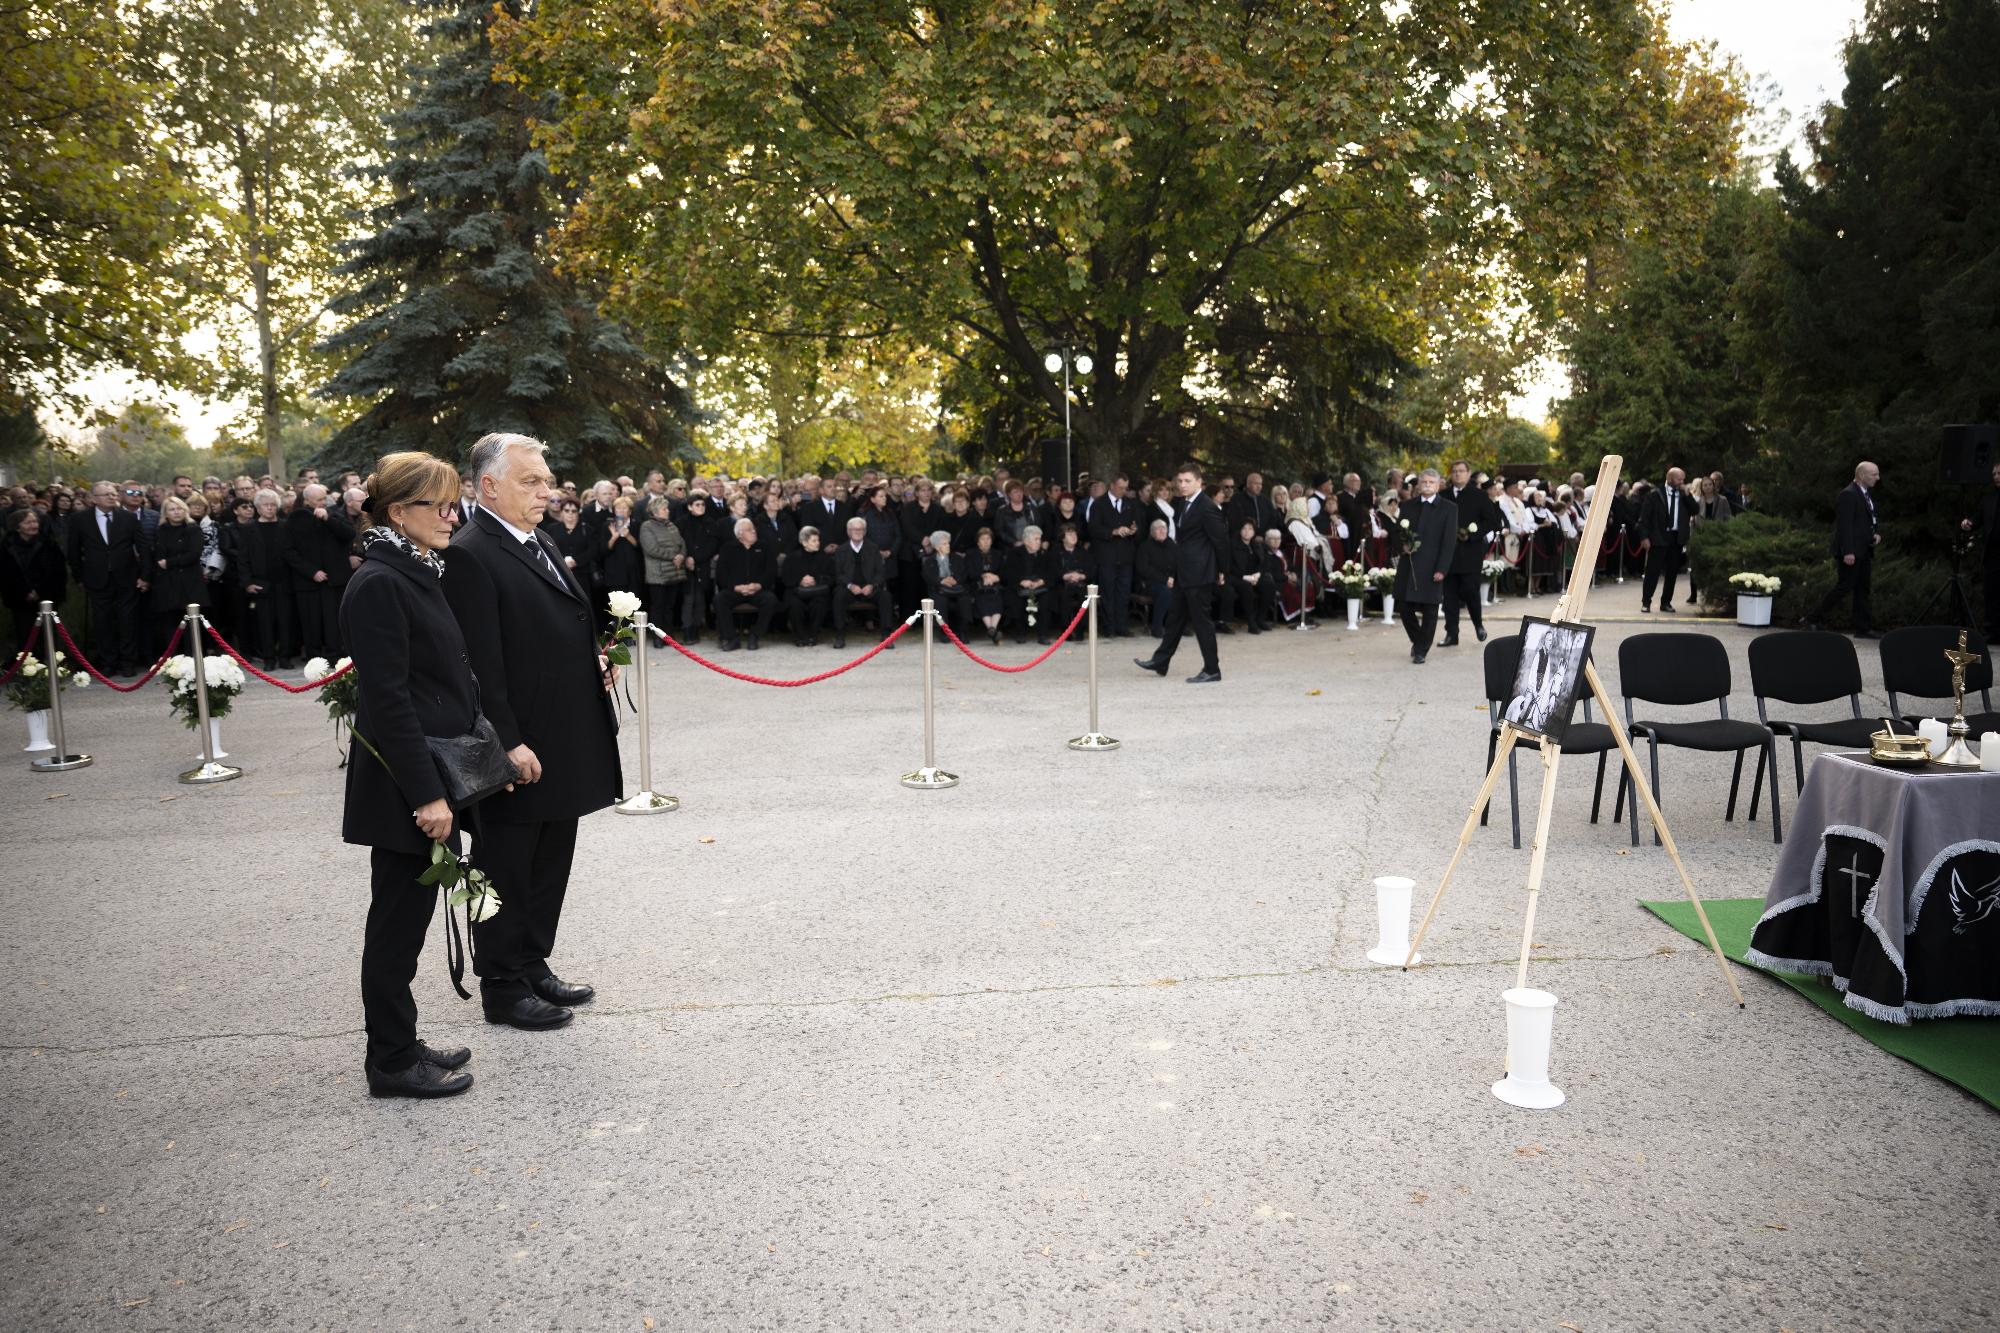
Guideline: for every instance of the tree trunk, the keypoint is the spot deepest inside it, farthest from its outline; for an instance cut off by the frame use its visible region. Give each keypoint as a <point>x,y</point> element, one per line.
<point>267,346</point>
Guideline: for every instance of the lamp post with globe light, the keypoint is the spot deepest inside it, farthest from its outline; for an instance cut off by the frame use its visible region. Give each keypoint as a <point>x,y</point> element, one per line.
<point>1066,358</point>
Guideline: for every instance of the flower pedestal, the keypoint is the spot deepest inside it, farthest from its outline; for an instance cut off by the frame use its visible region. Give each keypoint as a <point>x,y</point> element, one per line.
<point>1753,609</point>
<point>1531,1017</point>
<point>1388,609</point>
<point>1486,593</point>
<point>214,741</point>
<point>1392,921</point>
<point>38,733</point>
<point>1353,612</point>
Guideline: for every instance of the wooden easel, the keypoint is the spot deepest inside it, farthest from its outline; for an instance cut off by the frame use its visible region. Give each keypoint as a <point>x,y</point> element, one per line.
<point>1570,607</point>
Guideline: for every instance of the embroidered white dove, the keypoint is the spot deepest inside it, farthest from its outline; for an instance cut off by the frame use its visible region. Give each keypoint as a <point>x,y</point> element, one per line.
<point>1972,905</point>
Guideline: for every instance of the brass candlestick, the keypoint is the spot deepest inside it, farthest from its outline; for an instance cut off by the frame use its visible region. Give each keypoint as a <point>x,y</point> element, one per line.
<point>1958,753</point>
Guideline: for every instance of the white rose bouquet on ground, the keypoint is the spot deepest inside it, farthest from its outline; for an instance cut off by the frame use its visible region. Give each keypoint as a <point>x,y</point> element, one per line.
<point>1756,585</point>
<point>29,690</point>
<point>224,678</point>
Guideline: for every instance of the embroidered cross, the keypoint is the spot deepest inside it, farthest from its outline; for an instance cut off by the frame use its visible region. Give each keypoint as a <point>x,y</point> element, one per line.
<point>1855,874</point>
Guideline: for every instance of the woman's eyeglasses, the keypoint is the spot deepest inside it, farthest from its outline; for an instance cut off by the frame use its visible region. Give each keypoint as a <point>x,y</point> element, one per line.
<point>445,508</point>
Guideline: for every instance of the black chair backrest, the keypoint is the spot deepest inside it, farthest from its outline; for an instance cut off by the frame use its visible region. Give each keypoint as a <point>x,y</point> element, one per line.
<point>1503,663</point>
<point>1804,666</point>
<point>1913,661</point>
<point>1674,668</point>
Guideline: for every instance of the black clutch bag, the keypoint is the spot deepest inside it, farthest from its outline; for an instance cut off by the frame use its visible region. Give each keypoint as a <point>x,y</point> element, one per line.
<point>473,766</point>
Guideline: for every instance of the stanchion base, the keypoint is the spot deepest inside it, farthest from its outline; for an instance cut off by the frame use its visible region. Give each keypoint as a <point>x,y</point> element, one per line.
<point>647,803</point>
<point>211,772</point>
<point>60,763</point>
<point>1402,957</point>
<point>1095,740</point>
<point>1542,1096</point>
<point>930,779</point>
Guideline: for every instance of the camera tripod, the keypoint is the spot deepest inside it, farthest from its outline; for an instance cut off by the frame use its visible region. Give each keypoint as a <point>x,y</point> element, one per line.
<point>1952,592</point>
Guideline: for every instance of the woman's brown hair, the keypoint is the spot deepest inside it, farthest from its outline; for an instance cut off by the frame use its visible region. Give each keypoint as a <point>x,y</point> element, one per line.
<point>405,478</point>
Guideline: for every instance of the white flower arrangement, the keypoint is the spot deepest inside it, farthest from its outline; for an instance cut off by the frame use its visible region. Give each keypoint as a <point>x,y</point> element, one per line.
<point>224,678</point>
<point>29,690</point>
<point>1381,578</point>
<point>1492,567</point>
<point>1756,585</point>
<point>317,668</point>
<point>1351,579</point>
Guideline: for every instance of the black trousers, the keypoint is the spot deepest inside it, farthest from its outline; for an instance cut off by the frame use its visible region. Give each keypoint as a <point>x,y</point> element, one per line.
<point>805,611</point>
<point>1420,622</point>
<point>951,606</point>
<point>1115,583</point>
<point>319,622</point>
<point>1190,611</point>
<point>399,916</point>
<point>1069,600</point>
<point>663,604</point>
<point>885,610</point>
<point>529,866</point>
<point>1017,611</point>
<point>764,602</point>
<point>1246,600</point>
<point>271,610</point>
<point>1850,581</point>
<point>1461,591</point>
<point>696,595</point>
<point>1663,566</point>
<point>114,630</point>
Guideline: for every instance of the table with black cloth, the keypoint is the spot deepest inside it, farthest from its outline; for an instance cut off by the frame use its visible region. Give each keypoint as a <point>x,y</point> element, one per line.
<point>1890,885</point>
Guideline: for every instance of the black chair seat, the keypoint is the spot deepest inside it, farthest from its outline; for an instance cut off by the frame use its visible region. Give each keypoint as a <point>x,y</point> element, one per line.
<point>1847,732</point>
<point>1715,733</point>
<point>1581,738</point>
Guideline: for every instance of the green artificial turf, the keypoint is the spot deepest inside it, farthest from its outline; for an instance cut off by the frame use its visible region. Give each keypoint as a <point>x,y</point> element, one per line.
<point>1965,1051</point>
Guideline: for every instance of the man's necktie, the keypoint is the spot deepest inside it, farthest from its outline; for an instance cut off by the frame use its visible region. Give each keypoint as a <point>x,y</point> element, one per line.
<point>1673,510</point>
<point>548,565</point>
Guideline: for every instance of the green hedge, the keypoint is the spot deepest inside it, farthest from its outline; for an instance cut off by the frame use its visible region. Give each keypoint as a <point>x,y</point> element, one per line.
<point>1765,544</point>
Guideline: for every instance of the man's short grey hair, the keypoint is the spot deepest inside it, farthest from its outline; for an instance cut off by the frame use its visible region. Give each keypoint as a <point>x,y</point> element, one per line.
<point>808,531</point>
<point>854,523</point>
<point>264,495</point>
<point>306,494</point>
<point>1160,523</point>
<point>1430,472</point>
<point>489,453</point>
<point>743,523</point>
<point>355,493</point>
<point>1030,531</point>
<point>940,538</point>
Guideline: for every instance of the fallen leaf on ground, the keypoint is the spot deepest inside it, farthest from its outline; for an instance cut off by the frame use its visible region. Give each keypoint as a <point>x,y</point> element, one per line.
<point>234,1226</point>
<point>165,799</point>
<point>1418,1196</point>
<point>705,838</point>
<point>280,1244</point>
<point>770,1247</point>
<point>1776,1226</point>
<point>647,1322</point>
<point>133,1305</point>
<point>1571,1327</point>
<point>1530,1150</point>
<point>57,796</point>
<point>1312,694</point>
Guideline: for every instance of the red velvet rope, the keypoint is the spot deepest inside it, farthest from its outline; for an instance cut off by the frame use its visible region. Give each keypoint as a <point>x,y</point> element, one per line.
<point>244,662</point>
<point>26,648</point>
<point>721,670</point>
<point>1081,611</point>
<point>105,680</point>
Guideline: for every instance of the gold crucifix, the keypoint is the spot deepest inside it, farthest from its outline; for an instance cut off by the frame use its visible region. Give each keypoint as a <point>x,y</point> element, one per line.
<point>1960,659</point>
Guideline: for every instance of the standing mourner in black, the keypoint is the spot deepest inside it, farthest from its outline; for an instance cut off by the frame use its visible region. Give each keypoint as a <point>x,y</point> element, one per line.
<point>107,553</point>
<point>176,575</point>
<point>699,538</point>
<point>1853,549</point>
<point>529,631</point>
<point>319,536</point>
<point>267,582</point>
<point>1198,561</point>
<point>415,680</point>
<point>1986,519</point>
<point>1114,539</point>
<point>1478,521</point>
<point>1427,525</point>
<point>1665,520</point>
<point>32,572</point>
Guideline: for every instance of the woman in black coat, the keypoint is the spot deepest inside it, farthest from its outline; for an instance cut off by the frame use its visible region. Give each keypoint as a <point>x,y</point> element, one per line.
<point>1030,580</point>
<point>32,571</point>
<point>176,574</point>
<point>699,536</point>
<point>984,576</point>
<point>265,577</point>
<point>415,680</point>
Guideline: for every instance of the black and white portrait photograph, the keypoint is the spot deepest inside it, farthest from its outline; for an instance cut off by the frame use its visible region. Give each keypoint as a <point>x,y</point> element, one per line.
<point>1549,678</point>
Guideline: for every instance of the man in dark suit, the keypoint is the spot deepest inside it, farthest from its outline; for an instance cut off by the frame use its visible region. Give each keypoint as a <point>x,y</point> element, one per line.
<point>1353,506</point>
<point>1986,519</point>
<point>1853,549</point>
<point>529,633</point>
<point>320,537</point>
<point>1428,526</point>
<point>857,573</point>
<point>746,573</point>
<point>1114,539</point>
<point>1665,518</point>
<point>1478,521</point>
<point>1251,505</point>
<point>819,509</point>
<point>108,554</point>
<point>1199,559</point>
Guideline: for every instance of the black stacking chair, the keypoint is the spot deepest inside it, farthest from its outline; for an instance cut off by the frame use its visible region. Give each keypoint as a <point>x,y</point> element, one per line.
<point>1691,668</point>
<point>1503,660</point>
<point>1807,667</point>
<point>1913,663</point>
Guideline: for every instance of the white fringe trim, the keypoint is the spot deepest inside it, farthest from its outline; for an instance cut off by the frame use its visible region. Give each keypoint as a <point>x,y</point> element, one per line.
<point>1923,888</point>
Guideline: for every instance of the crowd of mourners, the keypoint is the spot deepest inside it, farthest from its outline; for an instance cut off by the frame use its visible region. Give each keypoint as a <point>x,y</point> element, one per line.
<point>821,557</point>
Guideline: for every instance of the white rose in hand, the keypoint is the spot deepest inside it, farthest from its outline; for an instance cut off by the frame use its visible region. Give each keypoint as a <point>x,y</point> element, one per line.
<point>624,604</point>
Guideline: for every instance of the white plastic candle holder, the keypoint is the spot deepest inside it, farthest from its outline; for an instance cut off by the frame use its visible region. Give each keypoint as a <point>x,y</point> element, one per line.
<point>1392,921</point>
<point>1531,1016</point>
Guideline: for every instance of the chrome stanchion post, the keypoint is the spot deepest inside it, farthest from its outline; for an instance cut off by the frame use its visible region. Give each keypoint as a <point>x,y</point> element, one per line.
<point>930,776</point>
<point>645,801</point>
<point>62,760</point>
<point>1305,608</point>
<point>211,770</point>
<point>1618,563</point>
<point>1093,739</point>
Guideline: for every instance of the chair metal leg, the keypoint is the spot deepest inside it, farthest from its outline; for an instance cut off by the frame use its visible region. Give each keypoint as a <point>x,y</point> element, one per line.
<point>1659,797</point>
<point>1798,765</point>
<point>1597,796</point>
<point>1777,822</point>
<point>1514,794</point>
<point>1757,782</point>
<point>1631,801</point>
<point>1735,777</point>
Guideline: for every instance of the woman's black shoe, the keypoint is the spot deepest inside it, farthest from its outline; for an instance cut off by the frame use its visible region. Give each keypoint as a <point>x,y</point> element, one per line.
<point>451,1057</point>
<point>422,1079</point>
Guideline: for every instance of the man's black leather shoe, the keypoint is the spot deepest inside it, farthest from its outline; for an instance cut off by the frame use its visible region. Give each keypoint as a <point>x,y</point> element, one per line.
<point>1418,659</point>
<point>531,1013</point>
<point>422,1079</point>
<point>1449,641</point>
<point>557,991</point>
<point>1481,632</point>
<point>451,1057</point>
<point>1148,664</point>
<point>1204,678</point>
